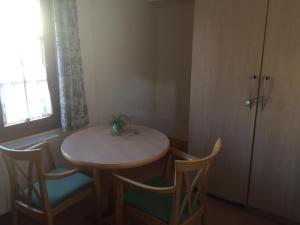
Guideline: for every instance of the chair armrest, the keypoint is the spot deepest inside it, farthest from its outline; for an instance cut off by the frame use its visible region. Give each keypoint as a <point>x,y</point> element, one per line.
<point>160,190</point>
<point>182,155</point>
<point>54,176</point>
<point>44,144</point>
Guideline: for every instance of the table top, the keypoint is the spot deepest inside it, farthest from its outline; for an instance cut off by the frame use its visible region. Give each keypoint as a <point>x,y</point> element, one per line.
<point>96,147</point>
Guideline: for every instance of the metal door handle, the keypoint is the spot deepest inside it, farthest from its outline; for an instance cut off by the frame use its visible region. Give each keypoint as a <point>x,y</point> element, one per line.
<point>264,97</point>
<point>251,101</point>
<point>252,92</point>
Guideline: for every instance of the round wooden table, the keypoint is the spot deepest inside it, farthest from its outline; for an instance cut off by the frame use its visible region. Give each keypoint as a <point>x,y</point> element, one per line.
<point>98,149</point>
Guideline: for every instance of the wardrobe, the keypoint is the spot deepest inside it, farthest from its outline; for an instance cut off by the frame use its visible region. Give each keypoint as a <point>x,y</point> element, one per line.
<point>245,87</point>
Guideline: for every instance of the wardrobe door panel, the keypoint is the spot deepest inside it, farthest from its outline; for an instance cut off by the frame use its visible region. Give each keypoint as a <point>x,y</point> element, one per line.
<point>227,51</point>
<point>275,178</point>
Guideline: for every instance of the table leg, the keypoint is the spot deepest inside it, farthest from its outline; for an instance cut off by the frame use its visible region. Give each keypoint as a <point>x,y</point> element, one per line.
<point>98,190</point>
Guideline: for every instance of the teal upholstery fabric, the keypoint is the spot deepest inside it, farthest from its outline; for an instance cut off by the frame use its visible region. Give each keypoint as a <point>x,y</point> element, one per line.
<point>154,204</point>
<point>61,189</point>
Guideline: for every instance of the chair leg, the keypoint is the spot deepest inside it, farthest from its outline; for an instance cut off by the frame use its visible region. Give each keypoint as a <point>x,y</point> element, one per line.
<point>119,206</point>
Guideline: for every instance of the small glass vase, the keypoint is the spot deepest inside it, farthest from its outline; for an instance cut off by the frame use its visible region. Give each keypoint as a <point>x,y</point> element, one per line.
<point>117,129</point>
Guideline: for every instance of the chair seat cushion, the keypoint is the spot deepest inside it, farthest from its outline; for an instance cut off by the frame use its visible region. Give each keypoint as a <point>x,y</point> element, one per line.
<point>154,204</point>
<point>61,189</point>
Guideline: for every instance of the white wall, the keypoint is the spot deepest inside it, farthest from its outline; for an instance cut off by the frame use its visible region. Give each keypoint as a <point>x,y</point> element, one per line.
<point>136,59</point>
<point>174,24</point>
<point>117,51</point>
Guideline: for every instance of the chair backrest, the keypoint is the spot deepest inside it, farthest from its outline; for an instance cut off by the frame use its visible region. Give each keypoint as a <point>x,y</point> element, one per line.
<point>191,179</point>
<point>26,166</point>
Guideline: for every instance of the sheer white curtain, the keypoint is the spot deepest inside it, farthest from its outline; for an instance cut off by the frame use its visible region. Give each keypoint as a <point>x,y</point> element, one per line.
<point>24,92</point>
<point>73,105</point>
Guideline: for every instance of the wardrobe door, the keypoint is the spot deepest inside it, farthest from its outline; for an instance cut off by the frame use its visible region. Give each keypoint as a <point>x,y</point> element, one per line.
<point>227,51</point>
<point>275,178</point>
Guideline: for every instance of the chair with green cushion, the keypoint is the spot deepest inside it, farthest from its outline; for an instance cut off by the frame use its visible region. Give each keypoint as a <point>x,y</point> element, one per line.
<point>176,198</point>
<point>42,195</point>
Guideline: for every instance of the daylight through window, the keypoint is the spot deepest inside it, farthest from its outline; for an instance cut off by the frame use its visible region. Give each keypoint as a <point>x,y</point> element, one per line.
<point>24,92</point>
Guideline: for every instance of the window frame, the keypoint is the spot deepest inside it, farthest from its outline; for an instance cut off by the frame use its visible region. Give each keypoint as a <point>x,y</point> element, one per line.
<point>12,132</point>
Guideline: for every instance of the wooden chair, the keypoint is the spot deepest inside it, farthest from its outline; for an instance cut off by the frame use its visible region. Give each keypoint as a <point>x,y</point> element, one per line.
<point>44,195</point>
<point>159,201</point>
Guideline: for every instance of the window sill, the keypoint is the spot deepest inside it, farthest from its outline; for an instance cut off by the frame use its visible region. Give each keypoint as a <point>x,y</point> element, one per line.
<point>23,143</point>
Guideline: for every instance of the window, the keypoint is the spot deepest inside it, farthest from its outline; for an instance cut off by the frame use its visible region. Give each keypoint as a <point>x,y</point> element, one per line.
<point>25,80</point>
